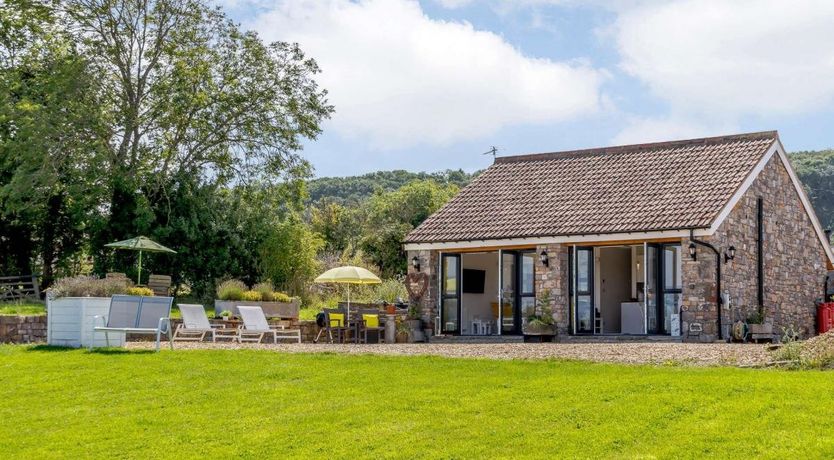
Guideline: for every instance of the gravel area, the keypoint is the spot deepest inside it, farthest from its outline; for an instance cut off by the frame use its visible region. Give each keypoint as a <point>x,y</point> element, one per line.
<point>711,354</point>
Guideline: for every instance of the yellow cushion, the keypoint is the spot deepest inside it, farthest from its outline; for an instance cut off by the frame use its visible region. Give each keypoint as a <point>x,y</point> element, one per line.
<point>337,319</point>
<point>371,320</point>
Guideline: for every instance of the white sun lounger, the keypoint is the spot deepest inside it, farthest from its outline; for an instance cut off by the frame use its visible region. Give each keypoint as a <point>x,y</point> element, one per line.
<point>255,327</point>
<point>195,324</point>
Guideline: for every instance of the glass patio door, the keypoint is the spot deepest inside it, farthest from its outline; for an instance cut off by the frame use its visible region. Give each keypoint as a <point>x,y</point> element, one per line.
<point>664,284</point>
<point>509,289</point>
<point>654,318</point>
<point>450,293</point>
<point>583,289</point>
<point>518,289</point>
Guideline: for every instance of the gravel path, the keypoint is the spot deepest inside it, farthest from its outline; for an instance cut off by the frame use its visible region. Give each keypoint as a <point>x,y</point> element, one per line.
<point>711,354</point>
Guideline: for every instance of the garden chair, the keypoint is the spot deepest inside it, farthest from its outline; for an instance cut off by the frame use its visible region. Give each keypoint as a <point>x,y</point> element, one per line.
<point>255,327</point>
<point>371,324</point>
<point>160,284</point>
<point>136,315</point>
<point>195,324</point>
<point>335,320</point>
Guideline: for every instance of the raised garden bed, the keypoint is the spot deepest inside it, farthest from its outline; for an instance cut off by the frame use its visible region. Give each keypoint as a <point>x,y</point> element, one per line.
<point>271,309</point>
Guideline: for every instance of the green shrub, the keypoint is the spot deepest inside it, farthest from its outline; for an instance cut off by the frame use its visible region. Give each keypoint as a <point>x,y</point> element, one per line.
<point>391,290</point>
<point>231,290</point>
<point>225,313</point>
<point>265,288</point>
<point>281,297</point>
<point>89,286</point>
<point>137,290</point>
<point>252,296</point>
<point>308,314</point>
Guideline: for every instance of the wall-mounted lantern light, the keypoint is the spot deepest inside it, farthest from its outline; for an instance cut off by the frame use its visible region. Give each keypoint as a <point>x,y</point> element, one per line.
<point>692,252</point>
<point>730,254</point>
<point>415,262</point>
<point>544,259</point>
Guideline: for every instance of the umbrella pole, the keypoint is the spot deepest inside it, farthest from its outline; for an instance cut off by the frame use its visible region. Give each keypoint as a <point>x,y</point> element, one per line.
<point>139,276</point>
<point>348,308</point>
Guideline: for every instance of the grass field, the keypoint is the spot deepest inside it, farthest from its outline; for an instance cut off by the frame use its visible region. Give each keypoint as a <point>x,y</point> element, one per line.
<point>22,308</point>
<point>261,404</point>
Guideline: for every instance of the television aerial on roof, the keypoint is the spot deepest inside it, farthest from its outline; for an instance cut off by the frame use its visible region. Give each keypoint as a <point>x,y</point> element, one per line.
<point>493,150</point>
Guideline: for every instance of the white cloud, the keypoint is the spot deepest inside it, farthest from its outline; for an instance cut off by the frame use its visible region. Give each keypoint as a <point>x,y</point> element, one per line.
<point>399,78</point>
<point>745,57</point>
<point>639,130</point>
<point>452,4</point>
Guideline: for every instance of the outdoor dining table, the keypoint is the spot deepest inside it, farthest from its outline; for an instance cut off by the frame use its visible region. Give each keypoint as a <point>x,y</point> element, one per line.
<point>355,325</point>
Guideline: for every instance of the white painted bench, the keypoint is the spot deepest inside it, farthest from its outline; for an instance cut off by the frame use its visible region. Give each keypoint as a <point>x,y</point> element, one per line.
<point>136,315</point>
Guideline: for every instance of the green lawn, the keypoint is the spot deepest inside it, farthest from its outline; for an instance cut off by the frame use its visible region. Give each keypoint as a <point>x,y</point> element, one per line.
<point>27,307</point>
<point>259,404</point>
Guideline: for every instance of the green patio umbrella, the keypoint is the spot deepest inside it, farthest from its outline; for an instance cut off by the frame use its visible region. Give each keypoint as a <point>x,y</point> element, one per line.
<point>140,243</point>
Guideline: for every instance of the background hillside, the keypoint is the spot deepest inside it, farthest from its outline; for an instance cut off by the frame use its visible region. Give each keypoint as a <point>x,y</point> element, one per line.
<point>816,171</point>
<point>357,188</point>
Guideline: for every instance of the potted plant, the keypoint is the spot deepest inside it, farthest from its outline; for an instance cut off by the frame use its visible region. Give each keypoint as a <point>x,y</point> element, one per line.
<point>402,332</point>
<point>226,315</point>
<point>540,325</point>
<point>757,326</point>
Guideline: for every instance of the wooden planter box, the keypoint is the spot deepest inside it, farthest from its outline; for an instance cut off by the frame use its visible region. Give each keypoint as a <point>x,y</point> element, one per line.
<point>539,334</point>
<point>69,322</point>
<point>271,309</point>
<point>760,331</point>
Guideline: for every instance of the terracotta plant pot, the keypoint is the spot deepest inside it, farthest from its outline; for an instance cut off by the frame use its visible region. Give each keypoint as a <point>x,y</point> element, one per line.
<point>390,309</point>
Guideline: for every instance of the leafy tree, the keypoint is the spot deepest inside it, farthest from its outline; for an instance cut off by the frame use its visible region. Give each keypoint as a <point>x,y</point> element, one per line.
<point>340,226</point>
<point>816,171</point>
<point>288,255</point>
<point>392,215</point>
<point>50,127</point>
<point>188,92</point>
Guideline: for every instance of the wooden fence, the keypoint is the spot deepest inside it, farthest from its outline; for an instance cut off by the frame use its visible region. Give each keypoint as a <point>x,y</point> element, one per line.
<point>19,287</point>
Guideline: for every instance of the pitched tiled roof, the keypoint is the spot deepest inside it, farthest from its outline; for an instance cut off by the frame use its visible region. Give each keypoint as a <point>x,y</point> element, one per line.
<point>645,187</point>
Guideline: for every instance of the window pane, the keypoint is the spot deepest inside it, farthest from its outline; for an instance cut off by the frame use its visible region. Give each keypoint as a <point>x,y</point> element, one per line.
<point>528,264</point>
<point>584,313</point>
<point>528,306</point>
<point>508,276</point>
<point>672,267</point>
<point>671,306</point>
<point>583,271</point>
<point>450,275</point>
<point>450,315</point>
<point>651,290</point>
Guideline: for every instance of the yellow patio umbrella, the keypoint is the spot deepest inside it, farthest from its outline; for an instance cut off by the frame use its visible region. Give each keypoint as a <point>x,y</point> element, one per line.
<point>348,275</point>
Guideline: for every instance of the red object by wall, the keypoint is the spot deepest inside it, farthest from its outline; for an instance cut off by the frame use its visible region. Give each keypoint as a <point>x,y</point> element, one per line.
<point>825,317</point>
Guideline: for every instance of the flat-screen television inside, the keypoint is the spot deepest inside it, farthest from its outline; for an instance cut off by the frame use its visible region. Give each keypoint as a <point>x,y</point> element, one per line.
<point>473,281</point>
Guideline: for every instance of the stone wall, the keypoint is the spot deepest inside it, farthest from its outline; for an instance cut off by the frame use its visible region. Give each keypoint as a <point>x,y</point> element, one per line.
<point>429,264</point>
<point>794,262</point>
<point>22,329</point>
<point>554,278</point>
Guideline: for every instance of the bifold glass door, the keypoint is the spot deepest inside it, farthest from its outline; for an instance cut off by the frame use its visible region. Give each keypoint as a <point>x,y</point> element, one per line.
<point>664,285</point>
<point>583,289</point>
<point>518,289</point>
<point>450,293</point>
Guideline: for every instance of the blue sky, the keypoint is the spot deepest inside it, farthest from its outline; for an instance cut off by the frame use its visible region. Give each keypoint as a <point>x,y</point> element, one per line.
<point>430,85</point>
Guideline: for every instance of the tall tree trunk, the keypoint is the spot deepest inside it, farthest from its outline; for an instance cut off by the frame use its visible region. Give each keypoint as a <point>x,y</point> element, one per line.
<point>48,239</point>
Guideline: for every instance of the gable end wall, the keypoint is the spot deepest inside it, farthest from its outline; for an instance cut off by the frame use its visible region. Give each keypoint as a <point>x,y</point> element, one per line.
<point>794,263</point>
